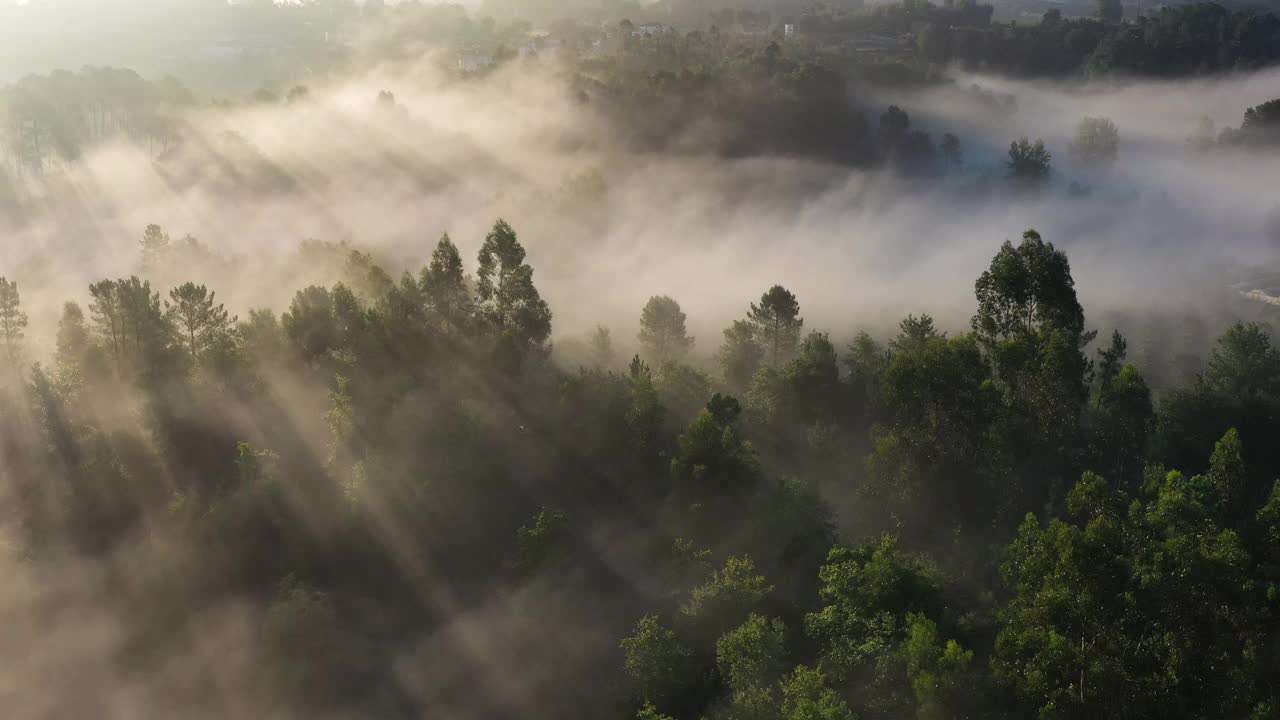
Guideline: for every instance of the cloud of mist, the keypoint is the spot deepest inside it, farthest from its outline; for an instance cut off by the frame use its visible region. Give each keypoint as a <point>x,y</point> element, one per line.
<point>1171,227</point>
<point>251,182</point>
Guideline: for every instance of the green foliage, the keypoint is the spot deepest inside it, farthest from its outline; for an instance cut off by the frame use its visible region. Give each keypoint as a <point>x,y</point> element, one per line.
<point>713,459</point>
<point>649,712</point>
<point>310,323</point>
<point>777,323</point>
<point>73,344</point>
<point>602,353</point>
<point>655,660</point>
<point>868,593</point>
<point>740,356</point>
<point>1135,590</point>
<point>1244,365</point>
<point>934,462</point>
<point>724,600</point>
<point>155,247</point>
<point>753,654</point>
<point>662,331</point>
<point>1081,627</point>
<point>914,334</point>
<point>1027,288</point>
<point>444,284</point>
<point>200,323</point>
<point>1097,141</point>
<point>13,321</point>
<point>806,696</point>
<point>538,543</point>
<point>1028,164</point>
<point>940,672</point>
<point>508,300</point>
<point>751,658</point>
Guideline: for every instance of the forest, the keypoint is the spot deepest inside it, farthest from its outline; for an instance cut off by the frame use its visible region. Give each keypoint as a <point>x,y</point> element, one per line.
<point>458,367</point>
<point>1032,532</point>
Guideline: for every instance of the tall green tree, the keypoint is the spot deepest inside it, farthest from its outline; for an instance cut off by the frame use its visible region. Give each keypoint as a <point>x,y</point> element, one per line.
<point>310,323</point>
<point>778,323</point>
<point>201,321</point>
<point>1031,325</point>
<point>740,355</point>
<point>914,334</point>
<point>13,321</point>
<point>444,284</point>
<point>509,302</point>
<point>655,660</point>
<point>663,335</point>
<point>1097,141</point>
<point>1244,365</point>
<point>108,319</point>
<point>752,658</point>
<point>601,346</point>
<point>1028,164</point>
<point>155,247</point>
<point>72,342</point>
<point>1028,288</point>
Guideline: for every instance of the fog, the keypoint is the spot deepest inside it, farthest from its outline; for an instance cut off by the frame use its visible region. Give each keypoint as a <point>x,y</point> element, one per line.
<point>1172,229</point>
<point>1164,229</point>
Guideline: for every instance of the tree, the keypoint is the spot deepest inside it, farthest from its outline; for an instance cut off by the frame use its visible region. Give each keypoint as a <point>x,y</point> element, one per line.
<point>145,324</point>
<point>933,463</point>
<point>1096,144</point>
<point>806,696</point>
<point>1244,365</point>
<point>914,334</point>
<point>107,317</point>
<point>869,595</point>
<point>713,459</point>
<point>129,318</point>
<point>657,663</point>
<point>310,323</point>
<point>202,321</point>
<point>155,246</point>
<point>662,331</point>
<point>509,302</point>
<point>445,286</point>
<point>262,335</point>
<point>1031,324</point>
<point>725,600</point>
<point>740,356</point>
<point>1152,599</point>
<point>1028,163</point>
<point>777,323</point>
<point>940,672</point>
<point>1110,361</point>
<point>13,321</point>
<point>894,124</point>
<point>539,543</point>
<point>1110,11</point>
<point>73,340</point>
<point>1027,288</point>
<point>751,659</point>
<point>1262,123</point>
<point>601,345</point>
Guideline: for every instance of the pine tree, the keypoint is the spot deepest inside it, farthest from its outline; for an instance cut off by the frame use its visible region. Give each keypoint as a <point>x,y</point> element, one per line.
<point>13,321</point>
<point>778,323</point>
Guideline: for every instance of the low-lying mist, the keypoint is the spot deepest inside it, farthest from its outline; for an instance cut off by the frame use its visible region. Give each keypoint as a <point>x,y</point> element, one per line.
<point>607,226</point>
